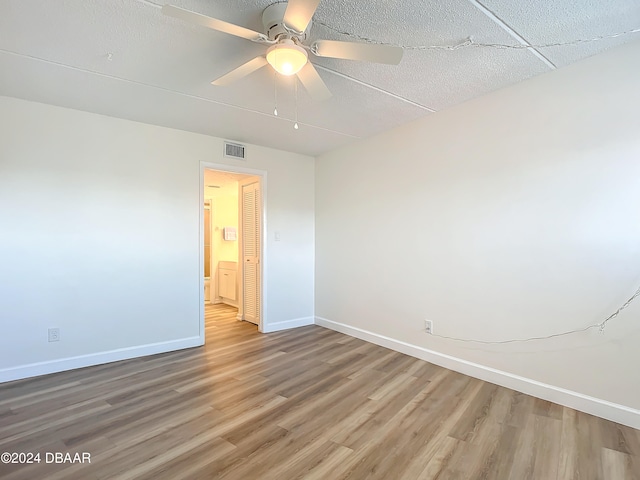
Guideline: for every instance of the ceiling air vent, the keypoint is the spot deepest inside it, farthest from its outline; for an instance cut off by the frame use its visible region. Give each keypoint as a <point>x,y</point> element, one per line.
<point>234,150</point>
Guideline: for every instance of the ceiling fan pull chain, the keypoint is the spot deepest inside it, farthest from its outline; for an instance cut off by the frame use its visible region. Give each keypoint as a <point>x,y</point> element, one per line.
<point>295,82</point>
<point>275,93</point>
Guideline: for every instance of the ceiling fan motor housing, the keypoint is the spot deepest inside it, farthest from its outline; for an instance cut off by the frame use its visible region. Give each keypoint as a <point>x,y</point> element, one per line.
<point>273,25</point>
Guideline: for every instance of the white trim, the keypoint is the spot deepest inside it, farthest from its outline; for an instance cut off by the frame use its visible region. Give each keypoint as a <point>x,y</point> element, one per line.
<point>287,324</point>
<point>373,87</point>
<point>89,360</point>
<point>201,328</point>
<point>263,255</point>
<point>510,31</point>
<point>578,401</point>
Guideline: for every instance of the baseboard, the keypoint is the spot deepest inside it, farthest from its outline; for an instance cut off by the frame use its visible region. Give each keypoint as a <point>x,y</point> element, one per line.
<point>71,363</point>
<point>287,324</point>
<point>578,401</point>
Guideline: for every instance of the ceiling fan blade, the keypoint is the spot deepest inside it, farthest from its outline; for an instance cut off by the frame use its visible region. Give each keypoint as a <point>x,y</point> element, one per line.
<point>298,14</point>
<point>214,23</point>
<point>369,52</point>
<point>312,82</point>
<point>242,71</point>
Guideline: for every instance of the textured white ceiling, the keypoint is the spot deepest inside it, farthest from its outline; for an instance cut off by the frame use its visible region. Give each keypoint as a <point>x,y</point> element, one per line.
<point>124,58</point>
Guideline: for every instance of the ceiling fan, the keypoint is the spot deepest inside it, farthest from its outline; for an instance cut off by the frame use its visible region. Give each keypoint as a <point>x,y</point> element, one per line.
<point>286,26</point>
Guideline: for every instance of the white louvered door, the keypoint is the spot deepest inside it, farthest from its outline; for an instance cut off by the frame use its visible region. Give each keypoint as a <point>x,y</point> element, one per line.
<point>251,251</point>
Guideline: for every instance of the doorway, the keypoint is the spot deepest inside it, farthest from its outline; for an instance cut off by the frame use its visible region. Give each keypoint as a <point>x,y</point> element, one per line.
<point>232,221</point>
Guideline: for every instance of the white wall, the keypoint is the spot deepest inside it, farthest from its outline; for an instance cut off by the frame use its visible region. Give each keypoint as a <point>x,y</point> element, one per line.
<point>513,215</point>
<point>99,236</point>
<point>224,214</point>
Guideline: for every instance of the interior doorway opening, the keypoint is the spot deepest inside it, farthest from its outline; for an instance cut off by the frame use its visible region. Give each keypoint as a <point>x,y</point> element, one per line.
<point>231,254</point>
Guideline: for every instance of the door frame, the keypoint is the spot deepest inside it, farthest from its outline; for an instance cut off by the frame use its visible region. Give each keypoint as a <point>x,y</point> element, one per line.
<point>212,274</point>
<point>262,174</point>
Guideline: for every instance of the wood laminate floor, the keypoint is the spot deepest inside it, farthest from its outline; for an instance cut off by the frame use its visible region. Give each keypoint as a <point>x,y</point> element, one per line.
<point>306,403</point>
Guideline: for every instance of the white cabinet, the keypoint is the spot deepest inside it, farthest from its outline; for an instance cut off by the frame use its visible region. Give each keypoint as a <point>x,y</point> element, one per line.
<point>227,280</point>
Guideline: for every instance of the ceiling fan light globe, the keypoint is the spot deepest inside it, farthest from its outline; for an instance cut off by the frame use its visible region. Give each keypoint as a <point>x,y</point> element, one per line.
<point>287,58</point>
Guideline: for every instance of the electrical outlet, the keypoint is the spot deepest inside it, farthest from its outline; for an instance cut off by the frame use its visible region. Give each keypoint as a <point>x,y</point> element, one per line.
<point>54,334</point>
<point>428,327</point>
